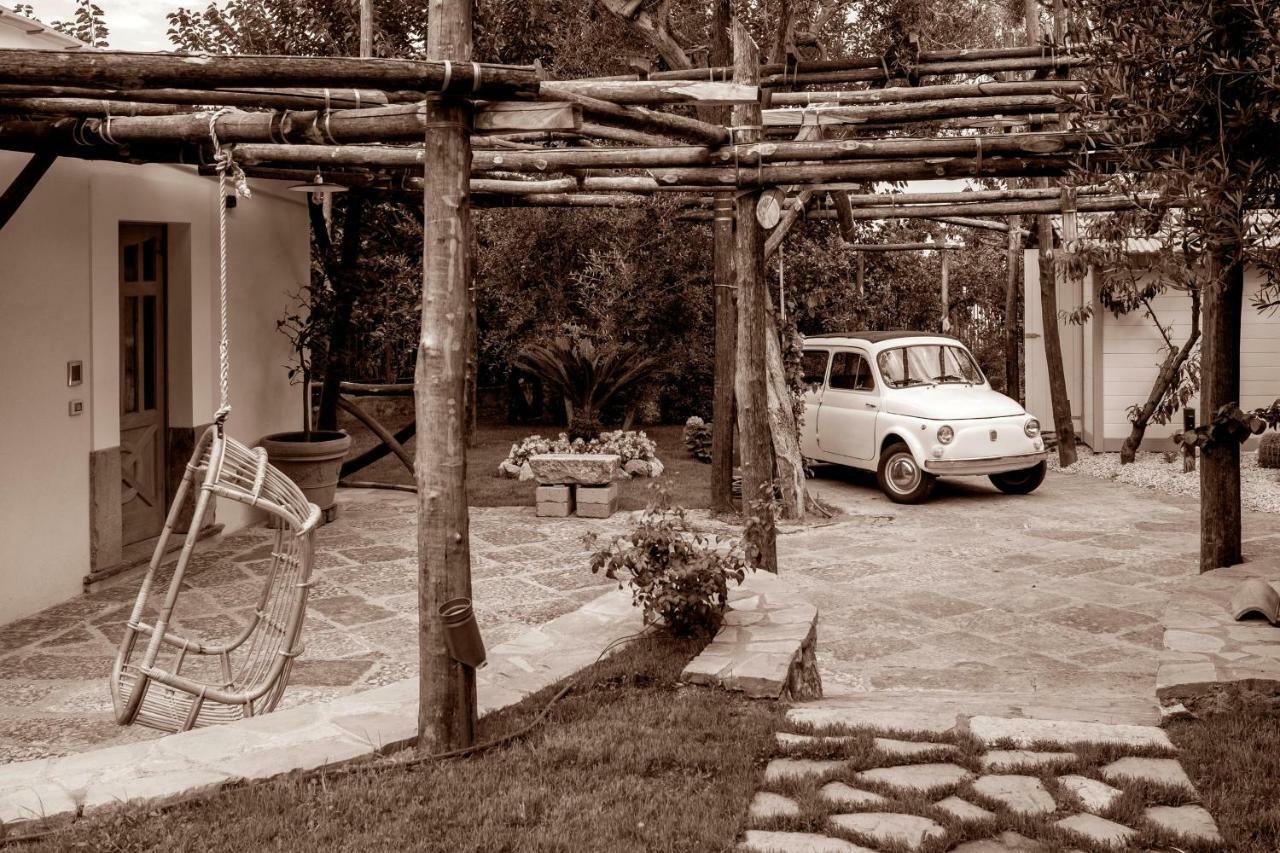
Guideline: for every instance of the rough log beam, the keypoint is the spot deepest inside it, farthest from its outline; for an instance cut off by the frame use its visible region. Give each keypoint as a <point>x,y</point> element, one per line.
<point>285,99</point>
<point>639,118</point>
<point>1090,204</point>
<point>124,69</point>
<point>22,185</point>
<point>906,247</point>
<point>884,199</point>
<point>808,173</point>
<point>880,114</point>
<point>983,224</point>
<point>86,107</point>
<point>912,94</point>
<point>650,92</point>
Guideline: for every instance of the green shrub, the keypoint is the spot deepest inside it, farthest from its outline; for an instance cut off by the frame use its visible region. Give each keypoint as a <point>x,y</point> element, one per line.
<point>677,575</point>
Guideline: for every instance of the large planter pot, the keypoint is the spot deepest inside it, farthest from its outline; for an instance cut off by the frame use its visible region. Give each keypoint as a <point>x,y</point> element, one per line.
<point>312,460</point>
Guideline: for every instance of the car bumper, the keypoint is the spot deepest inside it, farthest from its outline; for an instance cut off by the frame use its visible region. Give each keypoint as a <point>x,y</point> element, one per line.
<point>988,465</point>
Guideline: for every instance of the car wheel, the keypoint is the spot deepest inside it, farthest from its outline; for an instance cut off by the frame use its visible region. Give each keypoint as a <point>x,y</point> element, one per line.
<point>901,478</point>
<point>1022,482</point>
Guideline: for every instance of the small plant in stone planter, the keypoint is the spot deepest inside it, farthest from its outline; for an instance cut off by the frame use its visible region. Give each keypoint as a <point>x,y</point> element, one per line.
<point>679,576</point>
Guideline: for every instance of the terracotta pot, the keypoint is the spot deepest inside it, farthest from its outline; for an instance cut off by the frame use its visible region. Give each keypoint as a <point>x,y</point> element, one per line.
<point>312,460</point>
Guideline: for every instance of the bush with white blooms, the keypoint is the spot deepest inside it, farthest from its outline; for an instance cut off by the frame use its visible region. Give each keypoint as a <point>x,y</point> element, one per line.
<point>638,452</point>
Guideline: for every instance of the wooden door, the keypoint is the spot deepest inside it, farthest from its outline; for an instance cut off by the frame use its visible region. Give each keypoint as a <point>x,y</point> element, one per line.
<point>143,428</point>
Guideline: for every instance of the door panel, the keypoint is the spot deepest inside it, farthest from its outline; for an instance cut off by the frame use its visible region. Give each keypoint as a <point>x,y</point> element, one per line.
<point>850,404</point>
<point>143,426</point>
<point>814,366</point>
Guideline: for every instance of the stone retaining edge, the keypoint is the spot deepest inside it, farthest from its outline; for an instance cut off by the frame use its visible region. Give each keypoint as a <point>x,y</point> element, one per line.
<point>53,790</point>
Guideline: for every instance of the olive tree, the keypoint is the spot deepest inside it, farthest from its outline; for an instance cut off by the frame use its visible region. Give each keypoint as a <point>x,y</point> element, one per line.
<point>1186,95</point>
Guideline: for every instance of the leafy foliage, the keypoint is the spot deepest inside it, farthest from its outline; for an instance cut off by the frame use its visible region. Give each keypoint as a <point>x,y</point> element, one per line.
<point>1231,424</point>
<point>298,28</point>
<point>677,574</point>
<point>628,445</point>
<point>1269,451</point>
<point>88,25</point>
<point>586,376</point>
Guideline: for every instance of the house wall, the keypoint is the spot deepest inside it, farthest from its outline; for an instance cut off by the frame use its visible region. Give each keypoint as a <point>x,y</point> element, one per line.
<point>59,301</point>
<point>1122,356</point>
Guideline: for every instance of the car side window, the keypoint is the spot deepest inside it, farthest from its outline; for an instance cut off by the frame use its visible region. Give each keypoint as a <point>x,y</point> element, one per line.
<point>851,372</point>
<point>813,366</point>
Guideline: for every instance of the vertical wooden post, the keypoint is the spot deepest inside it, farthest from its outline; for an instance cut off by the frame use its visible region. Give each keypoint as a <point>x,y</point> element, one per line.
<point>726,320</point>
<point>862,274</point>
<point>726,344</point>
<point>753,318</point>
<point>1012,312</point>
<point>946,292</point>
<point>366,28</point>
<point>447,690</point>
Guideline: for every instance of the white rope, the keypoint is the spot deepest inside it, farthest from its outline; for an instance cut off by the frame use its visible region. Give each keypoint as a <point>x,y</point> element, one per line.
<point>224,162</point>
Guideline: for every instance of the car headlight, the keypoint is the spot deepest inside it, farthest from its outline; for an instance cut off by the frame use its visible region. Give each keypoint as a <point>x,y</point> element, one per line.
<point>946,434</point>
<point>1031,427</point>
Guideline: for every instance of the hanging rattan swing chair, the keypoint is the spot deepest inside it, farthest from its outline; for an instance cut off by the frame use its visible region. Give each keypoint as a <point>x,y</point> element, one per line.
<point>244,675</point>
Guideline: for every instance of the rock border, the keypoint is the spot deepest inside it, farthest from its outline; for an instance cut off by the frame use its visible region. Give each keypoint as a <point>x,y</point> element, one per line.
<point>765,647</point>
<point>49,791</point>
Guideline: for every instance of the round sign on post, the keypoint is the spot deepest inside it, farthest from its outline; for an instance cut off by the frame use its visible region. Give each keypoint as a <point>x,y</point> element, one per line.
<point>769,207</point>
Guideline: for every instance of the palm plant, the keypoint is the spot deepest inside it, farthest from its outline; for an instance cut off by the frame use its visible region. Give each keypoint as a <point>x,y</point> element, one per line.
<point>588,377</point>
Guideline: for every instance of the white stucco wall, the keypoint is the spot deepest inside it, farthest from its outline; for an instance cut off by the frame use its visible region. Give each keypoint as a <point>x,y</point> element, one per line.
<point>59,301</point>
<point>1131,354</point>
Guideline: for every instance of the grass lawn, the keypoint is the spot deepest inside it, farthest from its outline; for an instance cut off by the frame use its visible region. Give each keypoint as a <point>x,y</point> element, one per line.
<point>687,479</point>
<point>1232,754</point>
<point>627,761</point>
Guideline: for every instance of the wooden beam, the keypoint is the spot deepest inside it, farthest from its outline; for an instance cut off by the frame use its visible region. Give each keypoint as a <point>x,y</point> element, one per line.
<point>963,222</point>
<point>883,199</point>
<point>447,688</point>
<point>126,69</point>
<point>640,118</point>
<point>906,247</point>
<point>904,113</point>
<point>948,167</point>
<point>753,326</point>
<point>650,92</point>
<point>22,185</point>
<point>285,99</point>
<point>725,310</point>
<point>910,94</point>
<point>87,107</point>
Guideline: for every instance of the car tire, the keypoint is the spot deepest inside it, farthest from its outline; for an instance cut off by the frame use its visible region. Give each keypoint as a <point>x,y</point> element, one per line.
<point>901,477</point>
<point>1022,482</point>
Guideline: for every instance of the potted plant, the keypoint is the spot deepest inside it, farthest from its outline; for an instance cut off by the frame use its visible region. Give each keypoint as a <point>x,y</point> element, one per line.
<point>311,458</point>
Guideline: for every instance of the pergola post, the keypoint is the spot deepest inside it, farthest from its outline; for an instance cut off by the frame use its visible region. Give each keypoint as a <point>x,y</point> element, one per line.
<point>447,689</point>
<point>751,387</point>
<point>1012,303</point>
<point>726,346</point>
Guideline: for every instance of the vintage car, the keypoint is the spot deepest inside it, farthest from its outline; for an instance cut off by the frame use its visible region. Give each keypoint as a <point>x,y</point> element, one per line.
<point>913,407</point>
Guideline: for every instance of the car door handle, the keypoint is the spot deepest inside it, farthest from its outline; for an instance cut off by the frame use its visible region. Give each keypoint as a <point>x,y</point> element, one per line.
<point>870,405</point>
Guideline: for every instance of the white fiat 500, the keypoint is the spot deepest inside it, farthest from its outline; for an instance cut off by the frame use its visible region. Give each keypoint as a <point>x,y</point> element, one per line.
<point>912,407</point>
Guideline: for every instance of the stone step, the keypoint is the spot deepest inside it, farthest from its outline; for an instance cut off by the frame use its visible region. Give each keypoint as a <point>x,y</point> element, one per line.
<point>763,841</point>
<point>1026,732</point>
<point>890,827</point>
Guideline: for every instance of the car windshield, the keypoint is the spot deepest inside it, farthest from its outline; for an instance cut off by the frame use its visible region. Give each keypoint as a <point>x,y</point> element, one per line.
<point>928,364</point>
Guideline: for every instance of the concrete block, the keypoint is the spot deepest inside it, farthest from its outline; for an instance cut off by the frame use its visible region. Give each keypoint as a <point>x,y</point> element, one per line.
<point>552,509</point>
<point>597,494</point>
<point>554,494</point>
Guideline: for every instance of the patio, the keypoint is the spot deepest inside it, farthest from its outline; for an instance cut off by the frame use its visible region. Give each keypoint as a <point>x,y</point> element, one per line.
<point>361,629</point>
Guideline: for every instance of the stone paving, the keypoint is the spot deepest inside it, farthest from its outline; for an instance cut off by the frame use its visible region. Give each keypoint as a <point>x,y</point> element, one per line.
<point>361,629</point>
<point>1205,647</point>
<point>1048,603</point>
<point>835,785</point>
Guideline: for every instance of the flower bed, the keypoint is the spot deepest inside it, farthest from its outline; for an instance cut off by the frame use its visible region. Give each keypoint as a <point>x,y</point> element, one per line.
<point>638,452</point>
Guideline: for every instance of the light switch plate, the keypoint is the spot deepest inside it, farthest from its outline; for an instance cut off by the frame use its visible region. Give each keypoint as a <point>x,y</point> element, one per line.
<point>75,373</point>
<point>75,407</point>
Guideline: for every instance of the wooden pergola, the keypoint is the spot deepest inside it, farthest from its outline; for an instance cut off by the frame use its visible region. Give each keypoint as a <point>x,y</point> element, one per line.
<point>461,134</point>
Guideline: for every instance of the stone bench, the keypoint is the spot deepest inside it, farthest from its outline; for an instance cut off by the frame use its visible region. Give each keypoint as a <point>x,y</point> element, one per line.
<point>585,482</point>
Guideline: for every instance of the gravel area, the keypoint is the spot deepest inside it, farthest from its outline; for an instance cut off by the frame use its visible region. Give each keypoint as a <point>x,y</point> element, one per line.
<point>1259,487</point>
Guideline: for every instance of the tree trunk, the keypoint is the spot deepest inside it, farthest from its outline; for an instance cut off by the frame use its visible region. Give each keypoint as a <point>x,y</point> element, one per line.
<point>446,688</point>
<point>1062,425</point>
<point>753,329</point>
<point>1164,381</point>
<point>1012,312</point>
<point>341,346</point>
<point>1220,385</point>
<point>784,432</point>
<point>726,319</point>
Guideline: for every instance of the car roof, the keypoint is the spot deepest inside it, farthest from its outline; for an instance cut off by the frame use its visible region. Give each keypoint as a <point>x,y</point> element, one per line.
<point>874,338</point>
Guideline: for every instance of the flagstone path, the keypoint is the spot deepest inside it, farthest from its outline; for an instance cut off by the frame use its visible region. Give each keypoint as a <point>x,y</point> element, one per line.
<point>835,786</point>
<point>1049,602</point>
<point>361,629</point>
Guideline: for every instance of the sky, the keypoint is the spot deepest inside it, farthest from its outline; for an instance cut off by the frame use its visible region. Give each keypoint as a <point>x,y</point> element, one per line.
<point>133,24</point>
